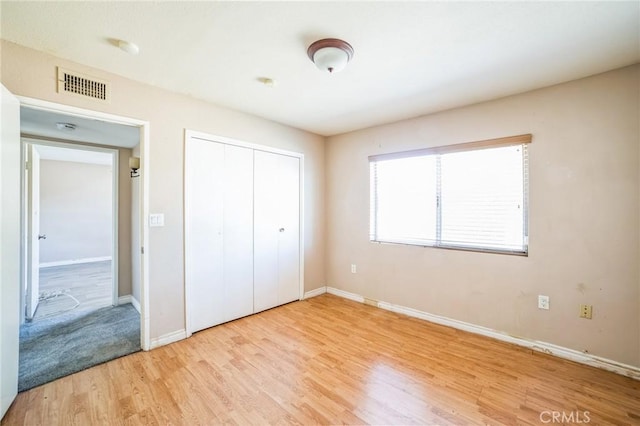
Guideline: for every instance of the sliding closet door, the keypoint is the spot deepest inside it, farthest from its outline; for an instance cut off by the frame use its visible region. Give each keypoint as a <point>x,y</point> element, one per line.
<point>204,220</point>
<point>289,236</point>
<point>266,230</point>
<point>242,230</point>
<point>276,229</point>
<point>238,232</point>
<point>218,232</point>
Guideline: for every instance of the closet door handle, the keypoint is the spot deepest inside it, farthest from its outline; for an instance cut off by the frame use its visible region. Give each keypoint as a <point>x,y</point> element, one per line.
<point>281,229</point>
<point>42,237</point>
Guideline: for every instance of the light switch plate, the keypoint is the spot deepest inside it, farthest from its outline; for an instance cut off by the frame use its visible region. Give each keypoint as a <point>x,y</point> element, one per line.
<point>156,219</point>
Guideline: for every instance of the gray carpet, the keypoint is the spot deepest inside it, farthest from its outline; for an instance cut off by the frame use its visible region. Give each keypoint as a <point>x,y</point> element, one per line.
<point>56,347</point>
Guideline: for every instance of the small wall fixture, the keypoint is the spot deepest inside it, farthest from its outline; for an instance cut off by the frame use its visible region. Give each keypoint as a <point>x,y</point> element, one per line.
<point>134,165</point>
<point>330,54</point>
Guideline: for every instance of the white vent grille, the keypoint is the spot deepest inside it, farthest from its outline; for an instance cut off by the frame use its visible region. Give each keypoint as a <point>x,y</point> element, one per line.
<point>82,85</point>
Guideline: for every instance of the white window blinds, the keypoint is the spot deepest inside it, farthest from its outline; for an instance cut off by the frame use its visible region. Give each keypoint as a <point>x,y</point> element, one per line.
<point>453,198</point>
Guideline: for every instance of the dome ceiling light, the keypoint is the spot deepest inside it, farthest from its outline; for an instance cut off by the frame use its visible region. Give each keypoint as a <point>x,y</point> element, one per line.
<point>127,46</point>
<point>330,54</point>
<point>67,127</point>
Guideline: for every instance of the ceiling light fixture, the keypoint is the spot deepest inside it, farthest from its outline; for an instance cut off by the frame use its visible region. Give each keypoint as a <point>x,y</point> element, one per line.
<point>127,46</point>
<point>330,54</point>
<point>68,127</point>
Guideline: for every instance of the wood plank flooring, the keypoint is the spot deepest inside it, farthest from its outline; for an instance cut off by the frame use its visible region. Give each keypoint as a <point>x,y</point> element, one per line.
<point>82,286</point>
<point>328,360</point>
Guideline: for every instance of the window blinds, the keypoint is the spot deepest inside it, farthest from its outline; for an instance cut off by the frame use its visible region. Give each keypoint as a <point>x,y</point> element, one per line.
<point>469,199</point>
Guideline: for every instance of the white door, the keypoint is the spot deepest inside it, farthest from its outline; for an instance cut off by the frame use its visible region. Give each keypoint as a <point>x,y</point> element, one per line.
<point>238,232</point>
<point>265,287</point>
<point>33,231</point>
<point>10,303</point>
<point>289,229</point>
<point>204,194</point>
<point>276,230</point>
<point>219,232</point>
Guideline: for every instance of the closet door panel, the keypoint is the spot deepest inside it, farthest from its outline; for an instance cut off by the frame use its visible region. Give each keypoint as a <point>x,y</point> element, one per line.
<point>238,232</point>
<point>242,231</point>
<point>276,230</point>
<point>204,197</point>
<point>265,231</point>
<point>288,190</point>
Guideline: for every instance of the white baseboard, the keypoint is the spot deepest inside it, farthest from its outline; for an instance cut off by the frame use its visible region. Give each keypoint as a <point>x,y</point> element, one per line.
<point>314,293</point>
<point>135,303</point>
<point>345,294</point>
<point>548,348</point>
<point>165,339</point>
<point>74,261</point>
<point>123,300</point>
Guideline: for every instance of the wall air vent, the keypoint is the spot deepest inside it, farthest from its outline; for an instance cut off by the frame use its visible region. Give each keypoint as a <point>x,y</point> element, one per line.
<point>82,85</point>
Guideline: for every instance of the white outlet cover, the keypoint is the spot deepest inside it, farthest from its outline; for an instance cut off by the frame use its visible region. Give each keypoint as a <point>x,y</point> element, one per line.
<point>543,302</point>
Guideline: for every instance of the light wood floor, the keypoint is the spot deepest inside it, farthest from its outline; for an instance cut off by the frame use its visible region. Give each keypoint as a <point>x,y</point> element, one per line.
<point>332,361</point>
<point>82,286</point>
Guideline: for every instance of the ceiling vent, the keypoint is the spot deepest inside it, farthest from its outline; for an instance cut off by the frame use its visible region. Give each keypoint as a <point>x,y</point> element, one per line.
<point>82,85</point>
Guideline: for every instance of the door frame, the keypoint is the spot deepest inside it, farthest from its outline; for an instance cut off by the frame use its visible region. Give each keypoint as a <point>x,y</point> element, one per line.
<point>192,134</point>
<point>144,126</point>
<point>114,153</point>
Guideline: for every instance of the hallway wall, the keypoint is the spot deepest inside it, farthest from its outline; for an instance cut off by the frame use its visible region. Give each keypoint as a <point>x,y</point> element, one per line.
<point>75,211</point>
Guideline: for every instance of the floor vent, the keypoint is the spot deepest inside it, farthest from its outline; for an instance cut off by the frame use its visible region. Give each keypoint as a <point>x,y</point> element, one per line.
<point>82,85</point>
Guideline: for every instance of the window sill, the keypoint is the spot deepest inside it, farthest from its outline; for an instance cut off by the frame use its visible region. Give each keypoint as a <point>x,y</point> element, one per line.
<point>458,248</point>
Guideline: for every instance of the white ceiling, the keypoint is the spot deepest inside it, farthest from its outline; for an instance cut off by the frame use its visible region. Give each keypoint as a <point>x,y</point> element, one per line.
<point>411,58</point>
<point>43,123</point>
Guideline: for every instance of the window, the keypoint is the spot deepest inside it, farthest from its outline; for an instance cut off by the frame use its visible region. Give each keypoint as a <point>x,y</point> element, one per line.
<point>468,196</point>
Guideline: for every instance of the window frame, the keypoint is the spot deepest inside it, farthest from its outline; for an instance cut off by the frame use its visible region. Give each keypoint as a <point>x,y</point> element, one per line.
<point>522,140</point>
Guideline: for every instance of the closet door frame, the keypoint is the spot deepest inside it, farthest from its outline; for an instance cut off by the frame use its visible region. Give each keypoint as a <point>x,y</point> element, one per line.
<point>190,135</point>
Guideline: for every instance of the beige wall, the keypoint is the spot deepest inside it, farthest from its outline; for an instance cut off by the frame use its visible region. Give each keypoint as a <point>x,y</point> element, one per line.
<point>30,73</point>
<point>584,219</point>
<point>75,210</point>
<point>136,209</point>
<point>124,222</point>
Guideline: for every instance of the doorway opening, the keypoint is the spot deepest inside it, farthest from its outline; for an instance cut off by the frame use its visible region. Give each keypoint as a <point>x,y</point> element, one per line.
<point>83,273</point>
<point>71,195</point>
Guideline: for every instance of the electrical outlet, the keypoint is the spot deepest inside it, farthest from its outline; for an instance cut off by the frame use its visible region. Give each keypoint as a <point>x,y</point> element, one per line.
<point>543,302</point>
<point>353,268</point>
<point>586,311</point>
